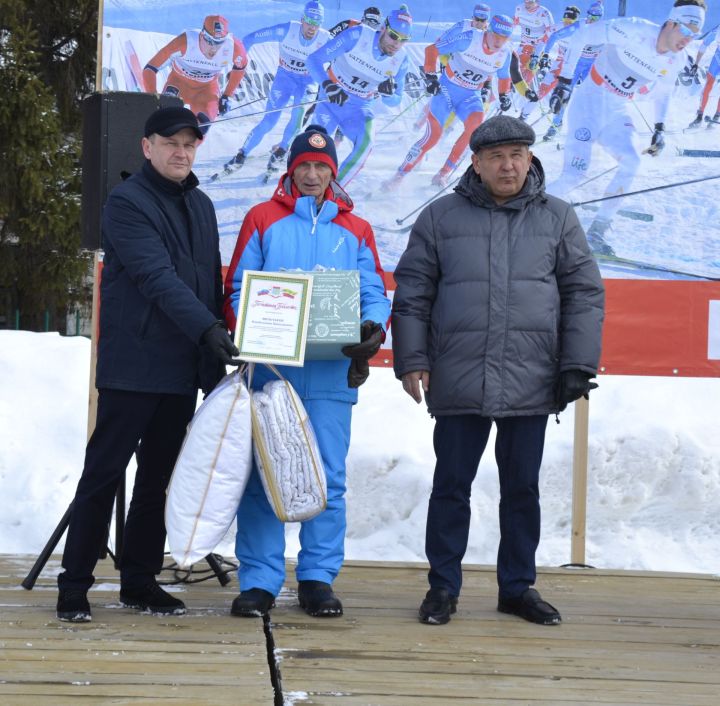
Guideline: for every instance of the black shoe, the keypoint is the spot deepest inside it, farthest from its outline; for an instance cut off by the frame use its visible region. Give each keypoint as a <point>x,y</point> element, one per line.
<point>532,607</point>
<point>437,607</point>
<point>698,120</point>
<point>73,606</point>
<point>253,603</point>
<point>152,598</point>
<point>318,599</point>
<point>276,157</point>
<point>235,163</point>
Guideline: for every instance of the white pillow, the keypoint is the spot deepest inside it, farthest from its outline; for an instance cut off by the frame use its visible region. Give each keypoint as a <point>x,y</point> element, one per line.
<point>286,453</point>
<point>211,472</point>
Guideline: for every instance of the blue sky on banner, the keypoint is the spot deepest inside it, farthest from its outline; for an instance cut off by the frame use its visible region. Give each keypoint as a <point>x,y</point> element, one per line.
<point>178,14</point>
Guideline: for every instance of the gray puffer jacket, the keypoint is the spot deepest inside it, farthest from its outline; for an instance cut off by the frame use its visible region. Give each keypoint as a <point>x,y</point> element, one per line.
<point>495,301</point>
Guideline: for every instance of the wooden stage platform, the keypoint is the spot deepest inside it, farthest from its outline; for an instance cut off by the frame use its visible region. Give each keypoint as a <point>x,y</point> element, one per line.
<point>627,638</point>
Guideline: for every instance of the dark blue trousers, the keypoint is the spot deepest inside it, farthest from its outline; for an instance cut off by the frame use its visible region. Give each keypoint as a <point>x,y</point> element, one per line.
<point>125,419</point>
<point>459,443</point>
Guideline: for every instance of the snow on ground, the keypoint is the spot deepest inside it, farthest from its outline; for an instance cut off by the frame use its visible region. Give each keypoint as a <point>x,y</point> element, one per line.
<point>654,477</point>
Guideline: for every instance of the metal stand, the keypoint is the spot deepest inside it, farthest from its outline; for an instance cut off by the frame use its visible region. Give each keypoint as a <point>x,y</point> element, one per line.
<point>29,581</point>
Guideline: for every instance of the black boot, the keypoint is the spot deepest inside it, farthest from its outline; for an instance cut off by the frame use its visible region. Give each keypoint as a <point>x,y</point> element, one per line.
<point>698,120</point>
<point>318,599</point>
<point>73,606</point>
<point>253,603</point>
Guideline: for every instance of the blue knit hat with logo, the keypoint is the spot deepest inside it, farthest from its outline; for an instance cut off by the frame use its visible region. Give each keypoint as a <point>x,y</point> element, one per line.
<point>313,145</point>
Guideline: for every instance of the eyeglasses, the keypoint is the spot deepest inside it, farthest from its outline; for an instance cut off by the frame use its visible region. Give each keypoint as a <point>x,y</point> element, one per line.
<point>210,39</point>
<point>687,31</point>
<point>396,36</point>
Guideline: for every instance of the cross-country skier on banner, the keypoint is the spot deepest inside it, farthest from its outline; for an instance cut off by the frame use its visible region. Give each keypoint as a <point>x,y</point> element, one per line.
<point>479,20</point>
<point>364,65</point>
<point>475,57</point>
<point>297,39</point>
<point>587,56</point>
<point>636,54</point>
<point>550,69</point>
<point>536,23</point>
<point>713,73</point>
<point>372,17</point>
<point>197,59</point>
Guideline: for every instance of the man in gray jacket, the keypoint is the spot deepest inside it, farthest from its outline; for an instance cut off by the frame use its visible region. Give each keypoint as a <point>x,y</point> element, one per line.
<point>497,316</point>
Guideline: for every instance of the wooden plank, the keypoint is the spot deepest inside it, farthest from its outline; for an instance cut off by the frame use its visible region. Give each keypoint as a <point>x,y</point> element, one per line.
<point>627,638</point>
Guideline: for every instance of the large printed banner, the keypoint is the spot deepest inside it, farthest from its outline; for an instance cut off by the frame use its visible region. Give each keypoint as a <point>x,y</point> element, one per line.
<point>253,73</point>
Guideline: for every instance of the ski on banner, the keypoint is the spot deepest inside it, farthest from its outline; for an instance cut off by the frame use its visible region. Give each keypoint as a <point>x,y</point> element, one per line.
<point>642,265</point>
<point>635,215</point>
<point>682,152</point>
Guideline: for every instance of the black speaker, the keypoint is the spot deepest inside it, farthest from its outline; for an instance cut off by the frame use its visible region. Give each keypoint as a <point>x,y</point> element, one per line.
<point>113,125</point>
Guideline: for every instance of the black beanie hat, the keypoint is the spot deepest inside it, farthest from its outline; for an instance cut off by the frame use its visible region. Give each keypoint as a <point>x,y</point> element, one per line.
<point>313,145</point>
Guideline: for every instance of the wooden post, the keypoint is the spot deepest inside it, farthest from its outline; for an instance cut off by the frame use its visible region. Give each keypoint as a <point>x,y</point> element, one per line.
<point>579,489</point>
<point>94,330</point>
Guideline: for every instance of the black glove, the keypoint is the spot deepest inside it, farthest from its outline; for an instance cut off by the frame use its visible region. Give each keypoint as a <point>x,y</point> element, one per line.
<point>219,343</point>
<point>531,95</point>
<point>370,340</point>
<point>387,87</point>
<point>573,385</point>
<point>223,104</point>
<point>485,94</point>
<point>657,144</point>
<point>692,70</point>
<point>560,95</point>
<point>505,101</point>
<point>544,61</point>
<point>334,93</point>
<point>432,84</point>
<point>533,63</point>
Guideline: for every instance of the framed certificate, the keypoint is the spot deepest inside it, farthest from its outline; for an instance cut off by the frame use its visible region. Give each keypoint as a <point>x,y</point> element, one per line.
<point>273,316</point>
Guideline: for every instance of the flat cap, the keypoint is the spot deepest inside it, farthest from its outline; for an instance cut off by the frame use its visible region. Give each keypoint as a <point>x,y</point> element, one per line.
<point>501,130</point>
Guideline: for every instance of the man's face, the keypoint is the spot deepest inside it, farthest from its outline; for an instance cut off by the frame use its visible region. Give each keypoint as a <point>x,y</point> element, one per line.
<point>208,46</point>
<point>390,41</point>
<point>312,179</point>
<point>309,28</point>
<point>530,4</point>
<point>494,42</point>
<point>502,169</point>
<point>479,23</point>
<point>172,156</point>
<point>674,37</point>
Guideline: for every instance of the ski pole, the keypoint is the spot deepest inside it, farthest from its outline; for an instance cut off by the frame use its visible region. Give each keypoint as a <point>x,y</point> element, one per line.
<point>597,176</point>
<point>391,121</point>
<point>400,221</point>
<point>647,191</point>
<point>237,107</point>
<point>264,112</point>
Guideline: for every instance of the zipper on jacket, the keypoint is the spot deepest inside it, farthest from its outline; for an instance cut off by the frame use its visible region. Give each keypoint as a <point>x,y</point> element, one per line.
<point>315,218</point>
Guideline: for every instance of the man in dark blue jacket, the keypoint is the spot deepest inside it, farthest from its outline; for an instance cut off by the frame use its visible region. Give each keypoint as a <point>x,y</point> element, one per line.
<point>161,339</point>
